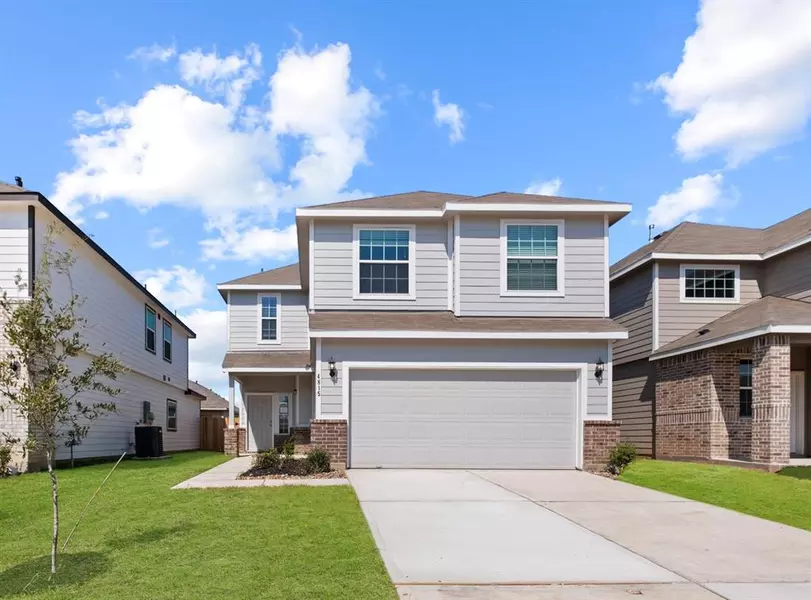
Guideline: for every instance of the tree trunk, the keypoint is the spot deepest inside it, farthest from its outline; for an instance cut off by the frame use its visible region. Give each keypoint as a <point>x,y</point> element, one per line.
<point>49,454</point>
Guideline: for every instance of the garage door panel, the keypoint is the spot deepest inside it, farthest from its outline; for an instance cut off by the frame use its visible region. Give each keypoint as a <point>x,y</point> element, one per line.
<point>464,419</point>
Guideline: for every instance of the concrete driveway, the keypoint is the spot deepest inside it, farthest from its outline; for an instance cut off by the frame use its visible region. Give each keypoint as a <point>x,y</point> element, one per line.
<point>567,534</point>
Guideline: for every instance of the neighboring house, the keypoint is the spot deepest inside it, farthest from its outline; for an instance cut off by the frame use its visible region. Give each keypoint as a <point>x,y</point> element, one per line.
<point>211,403</point>
<point>122,318</point>
<point>717,365</point>
<point>433,330</point>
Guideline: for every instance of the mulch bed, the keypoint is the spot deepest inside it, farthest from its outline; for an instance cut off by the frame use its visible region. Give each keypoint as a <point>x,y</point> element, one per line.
<point>288,469</point>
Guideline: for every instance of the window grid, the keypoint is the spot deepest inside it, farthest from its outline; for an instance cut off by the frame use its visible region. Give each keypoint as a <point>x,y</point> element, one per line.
<point>171,415</point>
<point>167,341</point>
<point>269,318</point>
<point>150,329</point>
<point>745,386</point>
<point>709,284</point>
<point>532,258</point>
<point>383,265</point>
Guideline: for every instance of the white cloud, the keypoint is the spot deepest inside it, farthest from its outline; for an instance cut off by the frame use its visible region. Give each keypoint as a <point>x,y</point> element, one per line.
<point>451,115</point>
<point>175,147</point>
<point>152,53</point>
<point>545,188</point>
<point>207,351</point>
<point>101,215</point>
<point>177,287</point>
<point>743,80</point>
<point>230,77</point>
<point>379,72</point>
<point>155,238</point>
<point>695,195</point>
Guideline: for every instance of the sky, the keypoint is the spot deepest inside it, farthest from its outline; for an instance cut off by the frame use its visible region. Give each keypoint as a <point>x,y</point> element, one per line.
<point>182,135</point>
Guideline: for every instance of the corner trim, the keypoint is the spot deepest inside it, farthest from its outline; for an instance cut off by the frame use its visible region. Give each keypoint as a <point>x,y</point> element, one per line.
<point>32,259</point>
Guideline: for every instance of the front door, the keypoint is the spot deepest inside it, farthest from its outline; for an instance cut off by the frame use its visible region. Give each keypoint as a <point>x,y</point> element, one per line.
<point>798,413</point>
<point>260,422</point>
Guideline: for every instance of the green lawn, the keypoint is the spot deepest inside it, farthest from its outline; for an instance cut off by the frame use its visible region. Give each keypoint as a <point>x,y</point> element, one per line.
<point>142,540</point>
<point>784,497</point>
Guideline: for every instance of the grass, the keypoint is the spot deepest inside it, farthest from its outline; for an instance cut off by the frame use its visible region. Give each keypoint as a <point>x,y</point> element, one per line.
<point>784,497</point>
<point>142,540</point>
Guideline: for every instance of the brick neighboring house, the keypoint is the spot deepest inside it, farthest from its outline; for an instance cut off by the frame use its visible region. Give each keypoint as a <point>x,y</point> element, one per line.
<point>717,365</point>
<point>426,330</point>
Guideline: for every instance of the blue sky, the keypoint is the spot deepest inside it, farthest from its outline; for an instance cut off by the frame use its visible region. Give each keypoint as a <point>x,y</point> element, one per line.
<point>180,123</point>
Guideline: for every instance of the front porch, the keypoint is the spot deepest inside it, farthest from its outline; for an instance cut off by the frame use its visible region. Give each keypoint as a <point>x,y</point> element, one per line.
<point>744,401</point>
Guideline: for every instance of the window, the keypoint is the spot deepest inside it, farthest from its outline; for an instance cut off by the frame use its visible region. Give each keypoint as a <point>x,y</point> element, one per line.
<point>284,414</point>
<point>532,255</point>
<point>710,283</point>
<point>745,371</point>
<point>149,329</point>
<point>167,341</point>
<point>269,319</point>
<point>384,259</point>
<point>171,415</point>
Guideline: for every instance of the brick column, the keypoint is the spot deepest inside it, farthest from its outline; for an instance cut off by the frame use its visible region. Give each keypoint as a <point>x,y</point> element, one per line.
<point>330,436</point>
<point>235,441</point>
<point>599,439</point>
<point>771,399</point>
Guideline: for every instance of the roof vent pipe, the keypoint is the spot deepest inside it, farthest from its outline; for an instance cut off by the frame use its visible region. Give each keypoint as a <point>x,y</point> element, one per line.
<point>19,181</point>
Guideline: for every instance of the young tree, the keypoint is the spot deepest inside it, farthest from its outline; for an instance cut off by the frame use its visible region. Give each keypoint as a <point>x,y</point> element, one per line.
<point>47,368</point>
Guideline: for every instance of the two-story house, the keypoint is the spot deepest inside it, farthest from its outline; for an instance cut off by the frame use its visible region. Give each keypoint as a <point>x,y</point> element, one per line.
<point>433,330</point>
<point>123,317</point>
<point>717,365</point>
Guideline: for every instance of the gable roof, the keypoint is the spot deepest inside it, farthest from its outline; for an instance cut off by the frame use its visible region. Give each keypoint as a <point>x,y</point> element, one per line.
<point>770,314</point>
<point>286,275</point>
<point>211,399</point>
<point>8,193</point>
<point>702,238</point>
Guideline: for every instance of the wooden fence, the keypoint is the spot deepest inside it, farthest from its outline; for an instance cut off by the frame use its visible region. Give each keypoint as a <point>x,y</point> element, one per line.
<point>212,432</point>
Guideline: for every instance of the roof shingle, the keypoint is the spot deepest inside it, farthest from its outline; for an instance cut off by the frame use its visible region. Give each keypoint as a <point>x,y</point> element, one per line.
<point>259,360</point>
<point>287,275</point>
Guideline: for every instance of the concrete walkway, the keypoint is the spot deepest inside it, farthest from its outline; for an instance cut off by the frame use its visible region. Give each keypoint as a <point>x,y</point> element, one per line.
<point>225,476</point>
<point>515,535</point>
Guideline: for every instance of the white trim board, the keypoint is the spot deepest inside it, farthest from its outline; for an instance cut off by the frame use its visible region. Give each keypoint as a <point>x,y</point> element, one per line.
<point>311,263</point>
<point>737,337</point>
<point>655,300</point>
<point>457,207</point>
<point>268,370</point>
<point>606,269</point>
<point>457,268</point>
<point>581,369</point>
<point>470,335</point>
<point>255,287</point>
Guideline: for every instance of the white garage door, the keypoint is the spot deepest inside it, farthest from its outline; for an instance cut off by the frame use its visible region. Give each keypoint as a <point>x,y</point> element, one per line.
<point>463,419</point>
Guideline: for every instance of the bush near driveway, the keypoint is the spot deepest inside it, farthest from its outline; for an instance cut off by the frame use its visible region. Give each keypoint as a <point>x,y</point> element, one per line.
<point>142,540</point>
<point>784,497</point>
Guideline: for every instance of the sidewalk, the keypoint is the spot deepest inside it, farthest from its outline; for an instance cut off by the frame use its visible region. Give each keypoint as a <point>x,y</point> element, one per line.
<point>225,476</point>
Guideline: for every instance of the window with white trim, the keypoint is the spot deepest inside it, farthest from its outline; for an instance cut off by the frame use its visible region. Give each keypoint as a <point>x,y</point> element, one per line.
<point>167,341</point>
<point>269,318</point>
<point>384,261</point>
<point>150,329</point>
<point>532,256</point>
<point>712,284</point>
<point>171,415</point>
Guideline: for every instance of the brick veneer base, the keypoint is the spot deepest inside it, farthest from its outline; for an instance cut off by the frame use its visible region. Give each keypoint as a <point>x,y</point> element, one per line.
<point>599,439</point>
<point>330,436</point>
<point>235,441</point>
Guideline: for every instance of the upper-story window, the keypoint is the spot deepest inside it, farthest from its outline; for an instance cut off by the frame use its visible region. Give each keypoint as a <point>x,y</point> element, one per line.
<point>384,263</point>
<point>532,258</point>
<point>150,329</point>
<point>167,341</point>
<point>269,319</point>
<point>710,283</point>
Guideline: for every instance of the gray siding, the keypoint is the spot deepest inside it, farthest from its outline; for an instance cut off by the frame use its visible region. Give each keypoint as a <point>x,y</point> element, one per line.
<point>598,400</point>
<point>632,307</point>
<point>678,318</point>
<point>244,322</point>
<point>480,268</point>
<point>789,275</point>
<point>333,269</point>
<point>634,392</point>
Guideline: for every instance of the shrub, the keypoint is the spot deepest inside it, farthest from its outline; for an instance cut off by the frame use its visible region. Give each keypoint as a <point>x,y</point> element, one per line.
<point>621,456</point>
<point>289,447</point>
<point>267,459</point>
<point>318,461</point>
<point>5,459</point>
